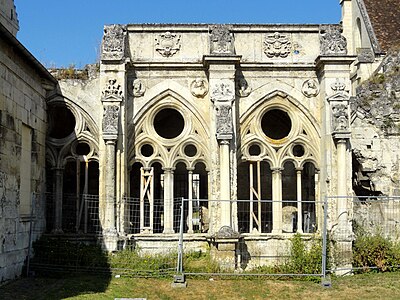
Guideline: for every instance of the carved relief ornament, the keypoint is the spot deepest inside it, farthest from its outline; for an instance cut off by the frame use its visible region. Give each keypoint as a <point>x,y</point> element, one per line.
<point>110,121</point>
<point>113,91</point>
<point>223,91</point>
<point>277,45</point>
<point>114,42</point>
<point>199,88</point>
<point>221,40</point>
<point>138,88</point>
<point>340,118</point>
<point>224,122</point>
<point>168,44</point>
<point>332,41</point>
<point>242,87</point>
<point>310,88</point>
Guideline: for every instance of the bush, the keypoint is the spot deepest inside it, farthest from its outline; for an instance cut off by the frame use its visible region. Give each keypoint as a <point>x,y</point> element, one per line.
<point>304,258</point>
<point>377,252</point>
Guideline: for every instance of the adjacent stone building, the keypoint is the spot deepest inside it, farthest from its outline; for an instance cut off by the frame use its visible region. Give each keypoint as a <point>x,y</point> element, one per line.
<point>24,86</point>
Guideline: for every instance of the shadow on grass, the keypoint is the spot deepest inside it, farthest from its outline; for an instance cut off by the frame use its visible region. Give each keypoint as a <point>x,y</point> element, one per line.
<point>61,268</point>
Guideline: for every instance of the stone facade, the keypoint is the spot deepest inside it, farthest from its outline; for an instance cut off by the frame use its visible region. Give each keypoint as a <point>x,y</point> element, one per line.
<point>221,112</point>
<point>222,115</point>
<point>24,84</point>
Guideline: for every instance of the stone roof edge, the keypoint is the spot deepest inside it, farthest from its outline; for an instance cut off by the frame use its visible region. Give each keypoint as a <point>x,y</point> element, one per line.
<point>235,27</point>
<point>43,72</point>
<point>370,29</point>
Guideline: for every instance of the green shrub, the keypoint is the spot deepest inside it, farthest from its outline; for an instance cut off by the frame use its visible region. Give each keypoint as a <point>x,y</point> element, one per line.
<point>304,258</point>
<point>138,263</point>
<point>200,262</point>
<point>375,251</point>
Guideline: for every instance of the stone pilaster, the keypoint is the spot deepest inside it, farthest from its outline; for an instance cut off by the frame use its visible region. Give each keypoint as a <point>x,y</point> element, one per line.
<point>334,68</point>
<point>112,158</point>
<point>221,65</point>
<point>112,97</point>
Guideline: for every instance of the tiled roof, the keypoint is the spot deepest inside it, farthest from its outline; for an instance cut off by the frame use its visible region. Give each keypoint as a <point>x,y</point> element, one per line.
<point>385,19</point>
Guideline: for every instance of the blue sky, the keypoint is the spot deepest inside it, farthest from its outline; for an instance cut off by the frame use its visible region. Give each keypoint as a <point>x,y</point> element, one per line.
<point>64,32</point>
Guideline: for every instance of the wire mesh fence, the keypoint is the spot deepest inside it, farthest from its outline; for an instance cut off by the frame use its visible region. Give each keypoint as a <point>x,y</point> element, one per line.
<point>372,240</point>
<point>266,238</point>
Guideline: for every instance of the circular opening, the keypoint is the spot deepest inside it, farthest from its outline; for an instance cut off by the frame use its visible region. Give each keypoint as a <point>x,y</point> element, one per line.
<point>254,150</point>
<point>82,149</point>
<point>61,121</point>
<point>147,150</point>
<point>276,124</point>
<point>190,150</point>
<point>298,150</point>
<point>169,123</point>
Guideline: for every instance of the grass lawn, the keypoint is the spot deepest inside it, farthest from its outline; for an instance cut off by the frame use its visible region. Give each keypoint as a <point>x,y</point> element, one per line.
<point>366,286</point>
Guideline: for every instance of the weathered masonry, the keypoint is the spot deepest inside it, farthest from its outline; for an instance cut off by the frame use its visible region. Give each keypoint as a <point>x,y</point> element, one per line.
<point>24,86</point>
<point>254,124</point>
<point>211,112</point>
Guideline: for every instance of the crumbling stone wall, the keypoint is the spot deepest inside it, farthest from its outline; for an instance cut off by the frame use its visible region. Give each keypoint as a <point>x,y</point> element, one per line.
<point>22,103</point>
<point>376,131</point>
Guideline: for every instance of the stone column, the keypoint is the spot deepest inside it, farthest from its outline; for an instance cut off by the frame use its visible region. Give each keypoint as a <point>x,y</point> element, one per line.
<point>168,200</point>
<point>225,188</point>
<point>342,183</point>
<point>109,223</point>
<point>58,200</point>
<point>110,136</point>
<point>299,204</point>
<point>190,204</point>
<point>277,200</point>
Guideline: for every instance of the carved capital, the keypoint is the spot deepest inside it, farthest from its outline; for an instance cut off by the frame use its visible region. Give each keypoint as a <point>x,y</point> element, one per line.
<point>332,41</point>
<point>114,42</point>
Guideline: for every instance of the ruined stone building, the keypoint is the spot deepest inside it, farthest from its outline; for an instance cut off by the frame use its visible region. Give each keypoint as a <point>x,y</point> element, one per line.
<point>223,115</point>
<point>24,86</point>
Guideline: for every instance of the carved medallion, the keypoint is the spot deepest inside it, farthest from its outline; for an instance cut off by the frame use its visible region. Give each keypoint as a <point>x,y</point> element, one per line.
<point>310,88</point>
<point>221,40</point>
<point>277,45</point>
<point>332,41</point>
<point>168,44</point>
<point>223,91</point>
<point>113,46</point>
<point>138,88</point>
<point>242,87</point>
<point>110,120</point>
<point>199,88</point>
<point>340,118</point>
<point>113,91</point>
